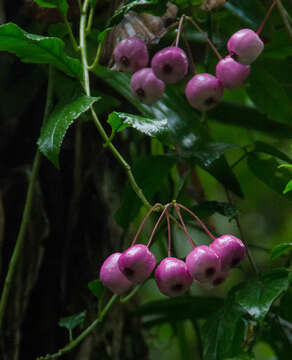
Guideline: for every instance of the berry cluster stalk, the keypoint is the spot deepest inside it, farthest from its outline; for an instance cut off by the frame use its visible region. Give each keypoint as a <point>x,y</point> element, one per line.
<point>183,225</point>
<point>86,85</point>
<point>259,30</point>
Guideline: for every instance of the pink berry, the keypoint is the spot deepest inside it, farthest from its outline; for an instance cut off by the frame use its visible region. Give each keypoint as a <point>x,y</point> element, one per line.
<point>131,54</point>
<point>231,73</point>
<point>137,263</point>
<point>203,264</point>
<point>245,46</point>
<point>204,91</point>
<point>172,277</point>
<point>170,64</point>
<point>111,276</point>
<point>146,87</point>
<point>230,250</point>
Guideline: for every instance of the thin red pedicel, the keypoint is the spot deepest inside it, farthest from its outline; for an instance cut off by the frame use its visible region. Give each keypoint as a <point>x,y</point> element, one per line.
<point>168,233</point>
<point>197,218</point>
<point>266,17</point>
<point>143,222</point>
<point>184,226</point>
<point>206,37</point>
<point>179,30</point>
<point>158,222</point>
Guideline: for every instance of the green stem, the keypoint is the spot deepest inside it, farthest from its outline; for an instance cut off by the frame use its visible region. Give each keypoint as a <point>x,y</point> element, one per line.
<point>83,335</point>
<point>70,335</point>
<point>86,85</point>
<point>97,56</point>
<point>90,19</point>
<point>26,212</point>
<point>71,35</point>
<point>132,293</point>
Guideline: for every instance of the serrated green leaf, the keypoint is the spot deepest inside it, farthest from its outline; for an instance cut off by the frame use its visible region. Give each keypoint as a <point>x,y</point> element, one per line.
<point>260,146</point>
<point>96,287</point>
<point>268,171</point>
<point>155,7</point>
<point>257,296</point>
<point>34,48</point>
<point>280,249</point>
<point>57,124</point>
<point>70,322</point>
<point>288,187</point>
<point>223,333</point>
<point>155,128</point>
<point>60,4</point>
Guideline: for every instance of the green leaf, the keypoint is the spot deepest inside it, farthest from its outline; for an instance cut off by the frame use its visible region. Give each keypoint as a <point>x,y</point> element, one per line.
<point>285,306</point>
<point>223,333</point>
<point>177,309</point>
<point>60,4</point>
<point>268,171</point>
<point>34,48</point>
<point>209,208</point>
<point>288,187</point>
<point>59,30</point>
<point>57,124</point>
<point>257,296</point>
<point>155,7</point>
<point>250,118</point>
<point>71,322</point>
<point>249,11</point>
<point>156,128</point>
<point>269,95</point>
<point>96,287</point>
<point>260,146</point>
<point>280,249</point>
<point>150,173</point>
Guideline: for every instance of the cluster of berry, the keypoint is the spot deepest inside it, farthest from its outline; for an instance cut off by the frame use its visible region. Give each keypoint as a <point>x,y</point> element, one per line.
<point>209,265</point>
<point>170,65</point>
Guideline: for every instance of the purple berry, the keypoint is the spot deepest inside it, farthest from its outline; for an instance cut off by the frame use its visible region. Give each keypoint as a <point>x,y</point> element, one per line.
<point>146,87</point>
<point>172,277</point>
<point>231,73</point>
<point>131,54</point>
<point>170,64</point>
<point>245,46</point>
<point>204,91</point>
<point>111,276</point>
<point>230,250</point>
<point>203,264</point>
<point>137,263</point>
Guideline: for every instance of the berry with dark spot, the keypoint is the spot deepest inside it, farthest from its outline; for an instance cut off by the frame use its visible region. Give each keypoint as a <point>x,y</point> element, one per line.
<point>204,91</point>
<point>137,263</point>
<point>112,277</point>
<point>146,87</point>
<point>203,264</point>
<point>131,55</point>
<point>170,64</point>
<point>231,73</point>
<point>245,46</point>
<point>230,250</point>
<point>172,277</point>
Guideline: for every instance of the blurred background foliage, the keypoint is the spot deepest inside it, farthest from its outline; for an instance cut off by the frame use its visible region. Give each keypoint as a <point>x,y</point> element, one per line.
<point>74,226</point>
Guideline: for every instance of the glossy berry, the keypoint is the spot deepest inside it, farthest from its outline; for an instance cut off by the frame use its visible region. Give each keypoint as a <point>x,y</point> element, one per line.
<point>131,54</point>
<point>203,264</point>
<point>231,73</point>
<point>170,64</point>
<point>111,276</point>
<point>204,91</point>
<point>146,87</point>
<point>172,277</point>
<point>137,263</point>
<point>230,250</point>
<point>245,46</point>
